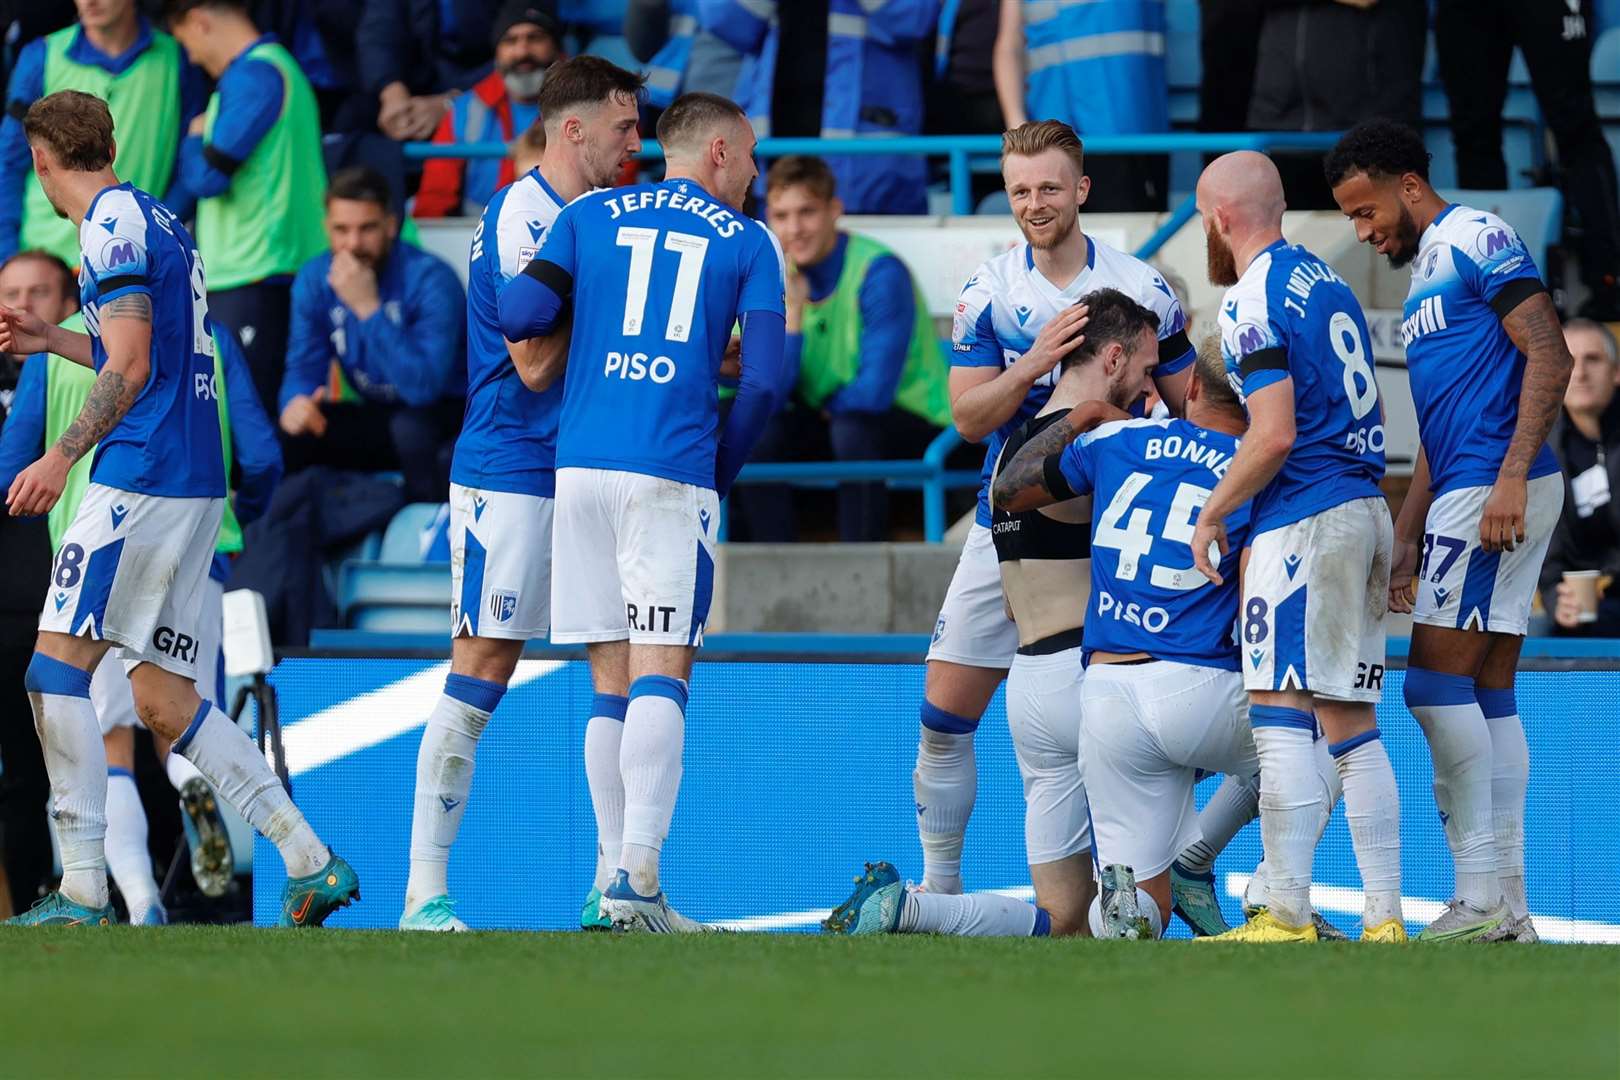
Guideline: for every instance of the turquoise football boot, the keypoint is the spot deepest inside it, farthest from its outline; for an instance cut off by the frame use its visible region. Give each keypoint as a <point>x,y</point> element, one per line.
<point>1192,896</point>
<point>436,915</point>
<point>590,916</point>
<point>57,910</point>
<point>307,901</point>
<point>874,907</point>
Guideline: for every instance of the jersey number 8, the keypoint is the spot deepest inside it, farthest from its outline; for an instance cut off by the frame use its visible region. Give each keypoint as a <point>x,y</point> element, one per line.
<point>1360,385</point>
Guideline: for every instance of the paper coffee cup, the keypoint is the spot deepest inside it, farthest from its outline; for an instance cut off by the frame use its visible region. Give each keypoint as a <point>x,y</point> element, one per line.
<point>1585,585</point>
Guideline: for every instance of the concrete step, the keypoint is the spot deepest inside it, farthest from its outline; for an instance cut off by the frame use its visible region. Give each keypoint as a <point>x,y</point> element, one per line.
<point>831,588</point>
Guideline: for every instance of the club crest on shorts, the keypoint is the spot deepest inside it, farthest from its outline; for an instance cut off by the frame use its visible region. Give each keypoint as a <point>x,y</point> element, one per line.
<point>502,605</point>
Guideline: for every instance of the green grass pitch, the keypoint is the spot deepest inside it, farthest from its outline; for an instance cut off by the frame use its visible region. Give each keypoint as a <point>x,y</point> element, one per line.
<point>227,1002</point>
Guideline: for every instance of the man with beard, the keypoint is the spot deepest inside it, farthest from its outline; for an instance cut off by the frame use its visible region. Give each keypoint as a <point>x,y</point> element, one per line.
<point>501,487</point>
<point>1016,319</point>
<point>374,376</point>
<point>498,108</point>
<point>1295,345</point>
<point>1489,367</point>
<point>1044,558</point>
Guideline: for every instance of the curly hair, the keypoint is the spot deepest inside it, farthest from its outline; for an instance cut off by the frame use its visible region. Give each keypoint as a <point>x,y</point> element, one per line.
<point>1379,148</point>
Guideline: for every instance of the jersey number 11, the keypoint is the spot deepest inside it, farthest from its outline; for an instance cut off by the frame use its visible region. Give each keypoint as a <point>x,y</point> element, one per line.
<point>642,244</point>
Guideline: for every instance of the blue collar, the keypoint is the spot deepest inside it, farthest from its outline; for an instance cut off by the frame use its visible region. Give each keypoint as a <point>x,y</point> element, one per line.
<point>262,39</point>
<point>540,179</point>
<point>1091,254</point>
<point>80,50</point>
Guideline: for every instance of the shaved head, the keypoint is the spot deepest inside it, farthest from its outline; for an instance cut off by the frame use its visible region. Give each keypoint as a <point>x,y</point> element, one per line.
<point>1247,185</point>
<point>1240,196</point>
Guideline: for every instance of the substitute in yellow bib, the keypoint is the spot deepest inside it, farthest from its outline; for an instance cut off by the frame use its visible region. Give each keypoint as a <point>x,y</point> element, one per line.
<point>872,375</point>
<point>152,92</point>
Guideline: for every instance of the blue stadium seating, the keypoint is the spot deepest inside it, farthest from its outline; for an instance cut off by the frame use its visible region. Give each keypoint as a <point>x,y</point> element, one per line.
<point>1606,74</point>
<point>1521,143</point>
<point>1608,14</point>
<point>403,540</point>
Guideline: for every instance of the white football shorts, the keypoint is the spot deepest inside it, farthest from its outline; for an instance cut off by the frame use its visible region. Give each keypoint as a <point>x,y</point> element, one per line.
<point>1462,585</point>
<point>500,564</point>
<point>1146,730</point>
<point>132,570</point>
<point>1043,714</point>
<point>110,691</point>
<point>1315,594</point>
<point>632,558</point>
<point>973,628</point>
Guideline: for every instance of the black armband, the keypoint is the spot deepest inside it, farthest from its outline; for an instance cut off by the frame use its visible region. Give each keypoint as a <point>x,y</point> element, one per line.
<point>1515,293</point>
<point>1056,482</point>
<point>1272,359</point>
<point>552,277</point>
<point>220,160</point>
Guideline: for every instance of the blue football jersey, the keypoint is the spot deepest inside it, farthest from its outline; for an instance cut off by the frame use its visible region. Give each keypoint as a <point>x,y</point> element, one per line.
<point>1007,302</point>
<point>168,442</point>
<point>661,273</point>
<point>1471,268</point>
<point>508,438</point>
<point>1147,480</point>
<point>1290,316</point>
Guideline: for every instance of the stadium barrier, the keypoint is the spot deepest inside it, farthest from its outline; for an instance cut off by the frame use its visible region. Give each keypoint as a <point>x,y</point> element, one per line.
<point>799,751</point>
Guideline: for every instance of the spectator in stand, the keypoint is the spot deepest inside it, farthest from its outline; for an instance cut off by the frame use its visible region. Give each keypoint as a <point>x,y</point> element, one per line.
<point>1586,439</point>
<point>962,91</point>
<point>40,284</point>
<point>528,40</point>
<point>681,56</point>
<point>416,56</point>
<point>527,149</point>
<point>1100,69</point>
<point>321,38</point>
<point>254,162</point>
<point>851,68</point>
<point>872,377</point>
<point>1327,65</point>
<point>1475,41</point>
<point>152,92</point>
<point>376,374</point>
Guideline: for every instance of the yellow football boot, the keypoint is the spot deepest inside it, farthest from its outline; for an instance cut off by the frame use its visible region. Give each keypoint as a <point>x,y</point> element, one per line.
<point>1389,932</point>
<point>1264,928</point>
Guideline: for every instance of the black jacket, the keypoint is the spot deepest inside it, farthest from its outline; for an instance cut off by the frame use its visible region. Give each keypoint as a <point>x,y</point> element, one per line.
<point>402,40</point>
<point>25,543</point>
<point>1591,543</point>
<point>1324,66</point>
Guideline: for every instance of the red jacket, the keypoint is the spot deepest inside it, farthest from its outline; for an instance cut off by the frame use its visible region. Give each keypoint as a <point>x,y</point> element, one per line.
<point>482,114</point>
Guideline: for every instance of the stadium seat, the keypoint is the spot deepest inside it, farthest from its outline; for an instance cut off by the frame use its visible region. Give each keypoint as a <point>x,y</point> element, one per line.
<point>1520,142</point>
<point>994,203</point>
<point>1606,74</point>
<point>403,540</point>
<point>401,619</point>
<point>1608,14</point>
<point>1536,214</point>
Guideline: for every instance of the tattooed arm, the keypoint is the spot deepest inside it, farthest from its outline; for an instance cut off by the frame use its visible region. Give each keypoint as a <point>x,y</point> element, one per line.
<point>1027,481</point>
<point>1534,327</point>
<point>126,332</point>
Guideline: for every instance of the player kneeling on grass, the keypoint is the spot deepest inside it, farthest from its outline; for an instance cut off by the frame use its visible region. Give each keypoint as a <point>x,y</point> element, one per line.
<point>1163,696</point>
<point>1045,560</point>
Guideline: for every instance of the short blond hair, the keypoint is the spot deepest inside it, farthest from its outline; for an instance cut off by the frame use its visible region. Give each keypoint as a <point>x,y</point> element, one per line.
<point>1034,137</point>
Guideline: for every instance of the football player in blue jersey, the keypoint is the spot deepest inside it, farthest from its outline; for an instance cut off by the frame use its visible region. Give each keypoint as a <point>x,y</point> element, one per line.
<point>1315,579</point>
<point>1162,697</point>
<point>502,483</point>
<point>132,567</point>
<point>1015,320</point>
<point>1488,369</point>
<point>657,276</point>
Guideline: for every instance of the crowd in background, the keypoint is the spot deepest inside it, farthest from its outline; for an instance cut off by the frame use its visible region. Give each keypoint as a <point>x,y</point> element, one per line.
<point>277,128</point>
